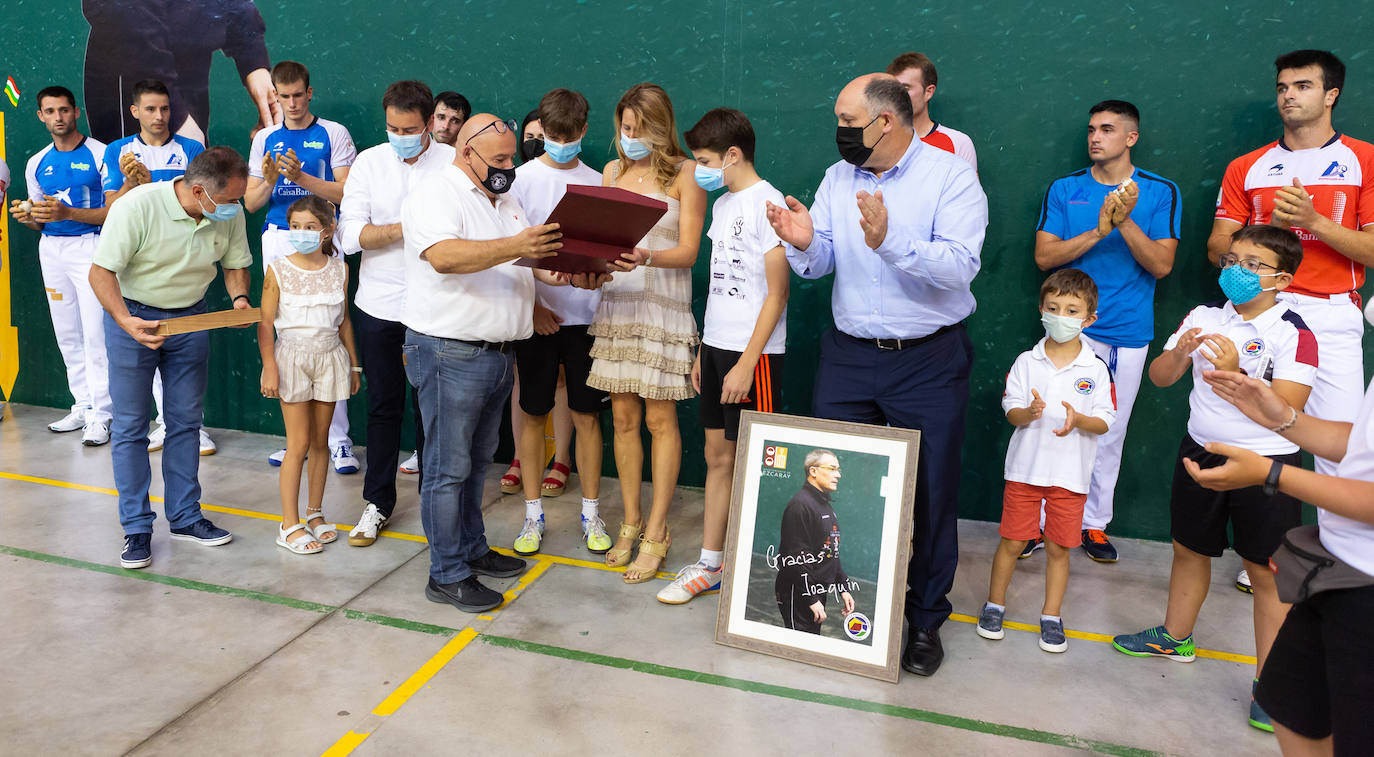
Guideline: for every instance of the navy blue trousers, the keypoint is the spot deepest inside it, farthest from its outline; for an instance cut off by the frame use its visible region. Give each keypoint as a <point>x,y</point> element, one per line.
<point>926,388</point>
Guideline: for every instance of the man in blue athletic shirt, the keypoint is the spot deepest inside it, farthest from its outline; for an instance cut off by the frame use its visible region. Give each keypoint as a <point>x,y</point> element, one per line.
<point>301,156</point>
<point>66,205</point>
<point>1119,225</point>
<point>154,153</point>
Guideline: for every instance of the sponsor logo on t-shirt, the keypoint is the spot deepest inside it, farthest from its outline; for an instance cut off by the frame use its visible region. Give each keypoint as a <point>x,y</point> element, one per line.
<point>738,226</point>
<point>173,160</point>
<point>316,144</point>
<point>1253,347</point>
<point>81,166</point>
<point>1084,385</point>
<point>1334,171</point>
<point>1276,169</point>
<point>1079,197</point>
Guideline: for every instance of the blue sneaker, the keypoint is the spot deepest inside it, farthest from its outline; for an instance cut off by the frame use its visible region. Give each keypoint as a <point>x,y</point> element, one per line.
<point>990,622</point>
<point>344,461</point>
<point>138,551</point>
<point>1258,717</point>
<point>203,532</point>
<point>275,458</point>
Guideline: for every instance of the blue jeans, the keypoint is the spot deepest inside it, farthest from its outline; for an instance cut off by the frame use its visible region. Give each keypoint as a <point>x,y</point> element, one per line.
<point>184,362</point>
<point>463,392</point>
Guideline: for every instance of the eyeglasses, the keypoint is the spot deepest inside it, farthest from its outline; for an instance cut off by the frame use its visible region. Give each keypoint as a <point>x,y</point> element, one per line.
<point>501,127</point>
<point>835,468</point>
<point>1252,265</point>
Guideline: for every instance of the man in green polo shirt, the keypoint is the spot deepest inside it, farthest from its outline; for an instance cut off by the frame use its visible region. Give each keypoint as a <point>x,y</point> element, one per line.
<point>155,259</point>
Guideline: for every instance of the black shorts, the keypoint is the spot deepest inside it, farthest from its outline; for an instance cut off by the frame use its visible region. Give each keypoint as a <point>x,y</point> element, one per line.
<point>763,395</point>
<point>1319,677</point>
<point>537,360</point>
<point>1198,516</point>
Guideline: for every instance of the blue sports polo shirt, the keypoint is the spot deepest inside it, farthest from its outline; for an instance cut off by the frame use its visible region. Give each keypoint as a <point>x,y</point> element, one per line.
<point>73,177</point>
<point>321,147</point>
<point>164,162</point>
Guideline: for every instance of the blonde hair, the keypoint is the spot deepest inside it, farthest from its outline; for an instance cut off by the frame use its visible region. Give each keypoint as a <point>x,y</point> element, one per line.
<point>656,126</point>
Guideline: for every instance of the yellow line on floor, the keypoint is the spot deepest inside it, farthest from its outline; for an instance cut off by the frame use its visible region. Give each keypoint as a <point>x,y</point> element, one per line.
<point>346,744</point>
<point>421,677</point>
<point>545,560</point>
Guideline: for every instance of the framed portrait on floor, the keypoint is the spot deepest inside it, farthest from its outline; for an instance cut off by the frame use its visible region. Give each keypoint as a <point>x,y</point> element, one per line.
<point>819,538</point>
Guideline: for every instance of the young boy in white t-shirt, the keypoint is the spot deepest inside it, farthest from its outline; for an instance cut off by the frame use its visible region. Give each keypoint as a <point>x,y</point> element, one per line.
<point>1060,398</point>
<point>739,365</point>
<point>561,317</point>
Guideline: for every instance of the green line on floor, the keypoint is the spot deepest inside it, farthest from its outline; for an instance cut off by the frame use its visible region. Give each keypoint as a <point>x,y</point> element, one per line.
<point>402,623</point>
<point>802,695</point>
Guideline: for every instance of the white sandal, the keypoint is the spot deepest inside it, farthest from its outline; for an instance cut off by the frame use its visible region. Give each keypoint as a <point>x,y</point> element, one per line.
<point>324,528</point>
<point>298,547</point>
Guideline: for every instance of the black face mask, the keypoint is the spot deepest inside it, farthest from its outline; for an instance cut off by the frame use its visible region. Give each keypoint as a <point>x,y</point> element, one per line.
<point>850,142</point>
<point>531,149</point>
<point>498,180</point>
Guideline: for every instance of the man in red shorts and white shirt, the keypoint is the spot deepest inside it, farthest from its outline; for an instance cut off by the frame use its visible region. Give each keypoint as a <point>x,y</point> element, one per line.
<point>917,74</point>
<point>1320,183</point>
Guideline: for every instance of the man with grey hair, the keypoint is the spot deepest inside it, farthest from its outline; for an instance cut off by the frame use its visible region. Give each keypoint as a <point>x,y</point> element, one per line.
<point>808,560</point>
<point>156,257</point>
<point>899,354</point>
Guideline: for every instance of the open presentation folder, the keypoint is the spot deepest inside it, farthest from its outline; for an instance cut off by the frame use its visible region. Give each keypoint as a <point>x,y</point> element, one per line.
<point>598,225</point>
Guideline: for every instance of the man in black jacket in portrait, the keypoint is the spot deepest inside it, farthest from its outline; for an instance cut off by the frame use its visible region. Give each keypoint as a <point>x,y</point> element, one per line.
<point>808,560</point>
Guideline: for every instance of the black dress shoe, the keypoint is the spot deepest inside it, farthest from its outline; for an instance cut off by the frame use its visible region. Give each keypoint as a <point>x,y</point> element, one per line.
<point>924,653</point>
<point>468,595</point>
<point>497,565</point>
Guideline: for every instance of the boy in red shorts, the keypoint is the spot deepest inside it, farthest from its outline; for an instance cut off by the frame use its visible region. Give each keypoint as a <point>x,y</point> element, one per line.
<point>1060,398</point>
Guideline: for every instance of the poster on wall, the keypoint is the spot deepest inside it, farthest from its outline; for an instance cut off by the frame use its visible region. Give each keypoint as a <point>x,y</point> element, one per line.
<point>819,539</point>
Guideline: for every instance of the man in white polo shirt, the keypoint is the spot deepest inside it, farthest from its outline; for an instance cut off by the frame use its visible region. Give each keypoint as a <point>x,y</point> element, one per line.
<point>466,302</point>
<point>370,224</point>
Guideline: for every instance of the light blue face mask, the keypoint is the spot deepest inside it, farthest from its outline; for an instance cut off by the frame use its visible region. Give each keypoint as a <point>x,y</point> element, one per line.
<point>709,179</point>
<point>634,148</point>
<point>222,211</point>
<point>406,146</point>
<point>304,240</point>
<point>1061,328</point>
<point>562,153</point>
<point>1241,285</point>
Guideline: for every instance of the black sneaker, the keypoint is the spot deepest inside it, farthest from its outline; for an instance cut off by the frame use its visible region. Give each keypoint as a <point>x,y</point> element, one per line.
<point>138,551</point>
<point>1096,545</point>
<point>203,532</point>
<point>1032,545</point>
<point>497,565</point>
<point>468,595</point>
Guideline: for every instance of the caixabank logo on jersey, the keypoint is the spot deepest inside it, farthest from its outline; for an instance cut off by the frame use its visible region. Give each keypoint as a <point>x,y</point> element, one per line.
<point>775,461</point>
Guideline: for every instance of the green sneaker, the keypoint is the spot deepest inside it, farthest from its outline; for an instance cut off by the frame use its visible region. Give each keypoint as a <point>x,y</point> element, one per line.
<point>527,543</point>
<point>1156,642</point>
<point>1258,717</point>
<point>594,534</point>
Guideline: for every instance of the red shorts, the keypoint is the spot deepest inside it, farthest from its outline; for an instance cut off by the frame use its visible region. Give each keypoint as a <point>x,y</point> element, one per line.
<point>1021,513</point>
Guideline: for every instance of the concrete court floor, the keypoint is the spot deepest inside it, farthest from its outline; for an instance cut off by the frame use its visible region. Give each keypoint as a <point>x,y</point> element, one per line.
<point>246,649</point>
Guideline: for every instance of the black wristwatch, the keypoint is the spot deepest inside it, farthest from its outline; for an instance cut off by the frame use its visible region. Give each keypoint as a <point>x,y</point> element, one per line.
<point>236,299</point>
<point>1271,482</point>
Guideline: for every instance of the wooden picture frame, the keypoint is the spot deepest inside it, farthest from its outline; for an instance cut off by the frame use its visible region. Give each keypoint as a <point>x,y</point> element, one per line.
<point>775,561</point>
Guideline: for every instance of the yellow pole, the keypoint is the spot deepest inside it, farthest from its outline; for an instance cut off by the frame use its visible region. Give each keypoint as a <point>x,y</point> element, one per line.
<point>9,334</point>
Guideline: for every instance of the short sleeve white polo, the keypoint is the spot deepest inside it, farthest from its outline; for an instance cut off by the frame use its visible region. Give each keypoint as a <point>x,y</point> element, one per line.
<point>493,305</point>
<point>1038,457</point>
<point>1349,539</point>
<point>1275,344</point>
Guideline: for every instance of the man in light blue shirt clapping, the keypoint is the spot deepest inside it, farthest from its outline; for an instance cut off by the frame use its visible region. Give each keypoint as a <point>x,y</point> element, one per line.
<point>901,225</point>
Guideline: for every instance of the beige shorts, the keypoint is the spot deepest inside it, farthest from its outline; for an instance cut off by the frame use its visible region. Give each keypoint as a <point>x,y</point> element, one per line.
<point>312,369</point>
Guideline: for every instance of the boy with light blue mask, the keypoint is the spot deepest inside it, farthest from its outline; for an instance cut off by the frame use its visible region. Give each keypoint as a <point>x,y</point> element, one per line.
<point>1252,333</point>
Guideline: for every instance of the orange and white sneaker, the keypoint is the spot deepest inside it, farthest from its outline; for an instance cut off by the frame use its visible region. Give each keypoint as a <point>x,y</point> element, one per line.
<point>690,581</point>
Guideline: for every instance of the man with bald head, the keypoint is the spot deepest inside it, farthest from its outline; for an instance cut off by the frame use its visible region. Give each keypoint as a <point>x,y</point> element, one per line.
<point>467,303</point>
<point>901,225</point>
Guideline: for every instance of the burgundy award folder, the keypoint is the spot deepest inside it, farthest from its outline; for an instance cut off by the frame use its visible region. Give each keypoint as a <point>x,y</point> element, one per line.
<point>598,224</point>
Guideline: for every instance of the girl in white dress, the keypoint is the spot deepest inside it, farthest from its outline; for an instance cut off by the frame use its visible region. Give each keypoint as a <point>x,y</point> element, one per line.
<point>309,362</point>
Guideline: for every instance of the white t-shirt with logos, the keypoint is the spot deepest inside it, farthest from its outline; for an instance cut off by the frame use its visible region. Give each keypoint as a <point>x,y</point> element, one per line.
<point>1347,538</point>
<point>538,187</point>
<point>740,237</point>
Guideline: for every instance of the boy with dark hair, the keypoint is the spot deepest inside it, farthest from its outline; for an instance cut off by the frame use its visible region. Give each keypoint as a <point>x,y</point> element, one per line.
<point>561,317</point>
<point>1050,457</point>
<point>1250,332</point>
<point>740,363</point>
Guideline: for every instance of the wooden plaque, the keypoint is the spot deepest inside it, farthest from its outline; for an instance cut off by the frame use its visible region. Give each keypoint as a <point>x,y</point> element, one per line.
<point>206,321</point>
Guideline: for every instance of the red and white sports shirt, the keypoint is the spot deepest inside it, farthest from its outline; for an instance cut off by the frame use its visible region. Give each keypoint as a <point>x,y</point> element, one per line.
<point>1340,177</point>
<point>952,140</point>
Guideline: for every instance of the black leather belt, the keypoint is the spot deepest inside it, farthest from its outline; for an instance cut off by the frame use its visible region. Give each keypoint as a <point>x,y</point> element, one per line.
<point>901,344</point>
<point>493,346</point>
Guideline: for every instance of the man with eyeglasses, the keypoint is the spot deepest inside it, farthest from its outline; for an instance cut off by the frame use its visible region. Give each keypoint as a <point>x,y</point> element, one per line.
<point>466,304</point>
<point>809,548</point>
<point>1118,224</point>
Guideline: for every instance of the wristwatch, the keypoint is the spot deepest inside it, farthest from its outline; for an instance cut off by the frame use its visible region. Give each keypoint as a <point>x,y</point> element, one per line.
<point>1271,482</point>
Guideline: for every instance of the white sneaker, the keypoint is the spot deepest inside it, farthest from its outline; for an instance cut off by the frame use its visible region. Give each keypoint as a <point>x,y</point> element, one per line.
<point>207,445</point>
<point>96,433</point>
<point>275,458</point>
<point>156,438</point>
<point>344,461</point>
<point>412,463</point>
<point>690,581</point>
<point>1243,582</point>
<point>73,421</point>
<point>369,524</point>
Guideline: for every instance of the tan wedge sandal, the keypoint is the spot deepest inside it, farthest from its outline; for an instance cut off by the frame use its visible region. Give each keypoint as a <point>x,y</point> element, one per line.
<point>656,550</point>
<point>617,557</point>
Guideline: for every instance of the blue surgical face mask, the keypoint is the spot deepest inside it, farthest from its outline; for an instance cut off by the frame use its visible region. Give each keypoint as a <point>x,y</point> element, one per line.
<point>1241,285</point>
<point>709,179</point>
<point>1061,328</point>
<point>562,153</point>
<point>406,146</point>
<point>304,240</point>
<point>634,148</point>
<point>222,211</point>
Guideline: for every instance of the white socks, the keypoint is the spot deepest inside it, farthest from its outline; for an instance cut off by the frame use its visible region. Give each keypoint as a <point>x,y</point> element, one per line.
<point>1051,617</point>
<point>534,508</point>
<point>591,509</point>
<point>995,606</point>
<point>712,559</point>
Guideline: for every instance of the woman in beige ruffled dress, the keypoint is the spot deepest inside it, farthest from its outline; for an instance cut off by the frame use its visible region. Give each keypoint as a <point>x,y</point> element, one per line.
<point>644,328</point>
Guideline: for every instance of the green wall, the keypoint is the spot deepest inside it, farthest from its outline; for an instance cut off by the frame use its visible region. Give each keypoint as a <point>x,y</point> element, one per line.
<point>1016,76</point>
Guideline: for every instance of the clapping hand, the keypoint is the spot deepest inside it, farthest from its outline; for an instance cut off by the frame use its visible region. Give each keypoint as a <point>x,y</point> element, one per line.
<point>1187,342</point>
<point>1037,406</point>
<point>1256,399</point>
<point>872,218</point>
<point>1293,207</point>
<point>1124,199</point>
<point>792,224</point>
<point>1223,355</point>
<point>269,169</point>
<point>135,173</point>
<point>289,166</point>
<point>1070,421</point>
